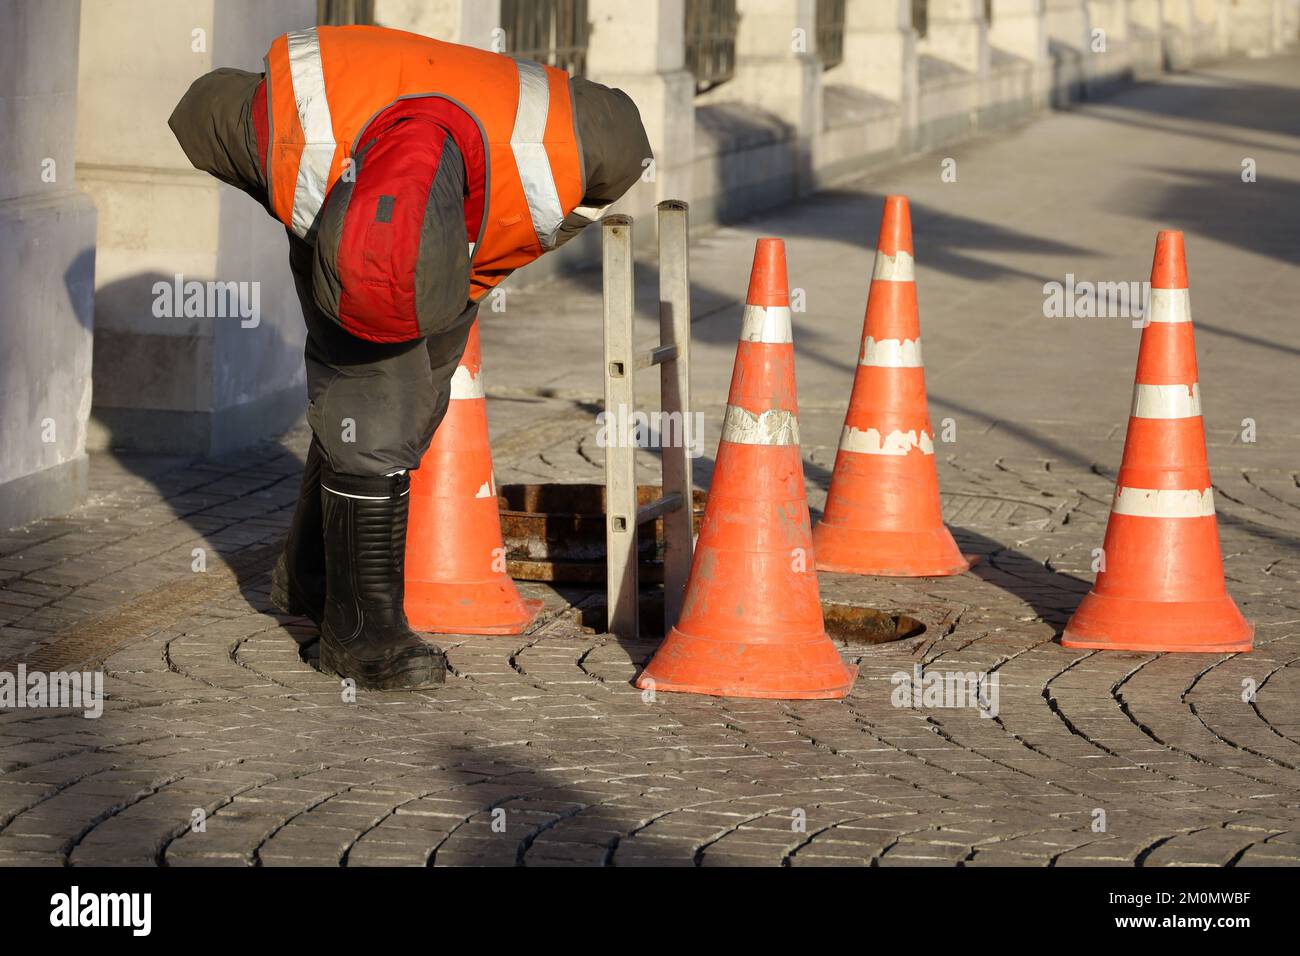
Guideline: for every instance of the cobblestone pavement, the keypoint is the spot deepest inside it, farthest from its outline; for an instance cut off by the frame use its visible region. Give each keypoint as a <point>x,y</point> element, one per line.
<point>539,751</point>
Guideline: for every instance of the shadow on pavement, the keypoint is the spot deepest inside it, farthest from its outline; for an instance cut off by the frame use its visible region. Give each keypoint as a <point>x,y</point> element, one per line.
<point>1226,100</point>
<point>1051,595</point>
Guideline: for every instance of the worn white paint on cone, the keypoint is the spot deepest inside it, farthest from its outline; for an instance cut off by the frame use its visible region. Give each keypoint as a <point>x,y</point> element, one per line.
<point>891,353</point>
<point>871,442</point>
<point>1164,502</point>
<point>899,267</point>
<point>1166,401</point>
<point>775,426</point>
<point>1169,305</point>
<point>769,324</point>
<point>465,384</point>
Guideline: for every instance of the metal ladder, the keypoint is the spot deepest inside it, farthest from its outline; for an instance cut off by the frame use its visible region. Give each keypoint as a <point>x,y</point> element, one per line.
<point>623,516</point>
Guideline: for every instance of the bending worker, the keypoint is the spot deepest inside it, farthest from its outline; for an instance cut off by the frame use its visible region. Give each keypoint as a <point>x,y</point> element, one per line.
<point>412,176</point>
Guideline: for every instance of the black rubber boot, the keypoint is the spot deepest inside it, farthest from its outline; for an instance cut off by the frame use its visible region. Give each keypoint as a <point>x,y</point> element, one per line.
<point>364,634</point>
<point>298,581</point>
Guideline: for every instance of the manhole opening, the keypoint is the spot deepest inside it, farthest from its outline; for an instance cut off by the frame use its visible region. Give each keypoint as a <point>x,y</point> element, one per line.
<point>593,618</point>
<point>854,625</point>
<point>556,532</point>
<point>849,625</point>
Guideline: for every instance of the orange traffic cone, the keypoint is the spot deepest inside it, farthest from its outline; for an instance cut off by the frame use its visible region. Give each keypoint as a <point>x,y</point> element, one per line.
<point>751,622</point>
<point>882,511</point>
<point>455,561</point>
<point>1161,583</point>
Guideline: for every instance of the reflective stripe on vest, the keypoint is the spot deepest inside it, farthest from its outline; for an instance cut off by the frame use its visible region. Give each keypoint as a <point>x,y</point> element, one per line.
<point>308,79</point>
<point>527,140</point>
<point>530,152</point>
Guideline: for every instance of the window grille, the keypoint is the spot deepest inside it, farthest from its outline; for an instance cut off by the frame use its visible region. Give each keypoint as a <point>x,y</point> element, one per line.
<point>554,32</point>
<point>339,13</point>
<point>711,41</point>
<point>830,32</point>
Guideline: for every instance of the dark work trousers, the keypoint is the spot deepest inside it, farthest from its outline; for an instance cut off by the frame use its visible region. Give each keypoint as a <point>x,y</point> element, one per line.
<point>374,407</point>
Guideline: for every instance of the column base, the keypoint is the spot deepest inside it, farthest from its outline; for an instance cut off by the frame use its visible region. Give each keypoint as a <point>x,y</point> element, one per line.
<point>50,491</point>
<point>159,431</point>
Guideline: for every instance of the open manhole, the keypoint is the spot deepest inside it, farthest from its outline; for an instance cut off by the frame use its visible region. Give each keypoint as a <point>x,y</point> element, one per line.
<point>855,626</point>
<point>592,615</point>
<point>848,625</point>
<point>556,532</point>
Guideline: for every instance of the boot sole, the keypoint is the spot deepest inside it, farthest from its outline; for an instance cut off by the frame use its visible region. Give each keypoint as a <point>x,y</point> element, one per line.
<point>370,676</point>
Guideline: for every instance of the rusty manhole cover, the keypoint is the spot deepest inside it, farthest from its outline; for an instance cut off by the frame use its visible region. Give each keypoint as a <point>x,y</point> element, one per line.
<point>993,511</point>
<point>556,532</point>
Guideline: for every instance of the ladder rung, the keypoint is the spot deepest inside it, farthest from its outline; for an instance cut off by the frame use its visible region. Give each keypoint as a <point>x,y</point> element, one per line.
<point>658,507</point>
<point>661,355</point>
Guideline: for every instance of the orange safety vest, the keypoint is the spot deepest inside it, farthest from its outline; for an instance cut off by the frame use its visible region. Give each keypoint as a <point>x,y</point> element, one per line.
<point>325,84</point>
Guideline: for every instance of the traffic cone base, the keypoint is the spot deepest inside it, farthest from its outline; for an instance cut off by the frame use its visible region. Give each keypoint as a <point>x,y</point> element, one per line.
<point>810,670</point>
<point>462,607</point>
<point>1110,623</point>
<point>902,554</point>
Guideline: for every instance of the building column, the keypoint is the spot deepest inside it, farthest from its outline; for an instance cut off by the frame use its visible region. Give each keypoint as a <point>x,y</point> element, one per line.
<point>1224,12</point>
<point>1112,64</point>
<point>777,70</point>
<point>471,22</point>
<point>638,47</point>
<point>1146,38</point>
<point>1179,33</point>
<point>1068,38</point>
<point>1205,30</point>
<point>880,56</point>
<point>47,272</point>
<point>953,72</point>
<point>957,33</point>
<point>168,379</point>
<point>1018,29</point>
<point>1286,23</point>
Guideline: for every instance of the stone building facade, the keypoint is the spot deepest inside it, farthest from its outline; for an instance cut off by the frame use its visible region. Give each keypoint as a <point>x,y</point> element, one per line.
<point>748,103</point>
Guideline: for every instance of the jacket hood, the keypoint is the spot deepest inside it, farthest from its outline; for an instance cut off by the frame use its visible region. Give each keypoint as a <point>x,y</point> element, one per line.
<point>213,123</point>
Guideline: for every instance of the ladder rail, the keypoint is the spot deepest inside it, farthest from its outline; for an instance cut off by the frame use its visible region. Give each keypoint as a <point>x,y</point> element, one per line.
<point>621,584</point>
<point>622,361</point>
<point>675,396</point>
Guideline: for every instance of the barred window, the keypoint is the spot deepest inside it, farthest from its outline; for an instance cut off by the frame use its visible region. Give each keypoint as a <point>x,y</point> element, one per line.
<point>554,32</point>
<point>711,41</point>
<point>920,17</point>
<point>339,13</point>
<point>830,32</point>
